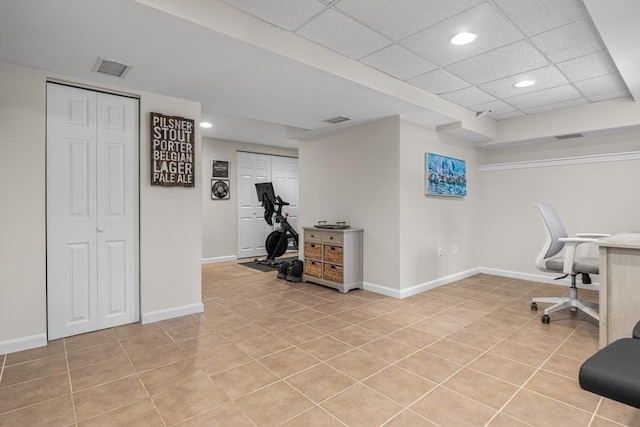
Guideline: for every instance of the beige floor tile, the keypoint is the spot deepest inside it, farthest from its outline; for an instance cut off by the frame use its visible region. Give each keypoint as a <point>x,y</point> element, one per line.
<point>274,404</point>
<point>619,413</point>
<point>314,417</point>
<point>187,331</point>
<point>382,326</point>
<point>437,406</point>
<point>263,346</point>
<point>474,338</point>
<point>482,388</point>
<point>275,322</point>
<point>170,376</point>
<point>56,412</point>
<point>354,316</point>
<point>133,329</point>
<point>538,410</point>
<point>409,418</point>
<point>244,379</point>
<point>399,385</point>
<point>507,370</point>
<point>603,422</point>
<point>189,399</point>
<point>577,351</point>
<point>288,362</point>
<point>32,392</point>
<point>502,420</point>
<point>106,397</point>
<point>51,349</point>
<point>100,373</point>
<point>33,369</point>
<point>539,341</point>
<point>429,366</point>
<point>320,382</point>
<point>243,332</point>
<point>563,389</point>
<point>156,357</point>
<point>328,324</point>
<point>145,342</point>
<point>298,334</point>
<point>89,340</point>
<point>520,353</point>
<point>388,349</point>
<point>95,354</point>
<point>203,344</point>
<point>358,364</point>
<point>454,351</point>
<point>413,337</point>
<point>306,315</point>
<point>141,413</point>
<point>225,415</point>
<point>221,358</point>
<point>435,327</point>
<point>402,317</point>
<point>355,335</point>
<point>563,366</point>
<point>325,347</point>
<point>365,407</point>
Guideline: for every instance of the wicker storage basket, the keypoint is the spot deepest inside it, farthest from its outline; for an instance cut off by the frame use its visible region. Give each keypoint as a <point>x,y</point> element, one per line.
<point>313,268</point>
<point>333,254</point>
<point>313,250</point>
<point>333,273</point>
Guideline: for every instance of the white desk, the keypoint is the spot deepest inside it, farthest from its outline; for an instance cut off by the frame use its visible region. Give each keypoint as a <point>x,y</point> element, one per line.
<point>619,286</point>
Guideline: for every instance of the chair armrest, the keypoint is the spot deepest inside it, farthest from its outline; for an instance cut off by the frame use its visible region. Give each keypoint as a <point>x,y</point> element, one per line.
<point>593,235</point>
<point>570,245</point>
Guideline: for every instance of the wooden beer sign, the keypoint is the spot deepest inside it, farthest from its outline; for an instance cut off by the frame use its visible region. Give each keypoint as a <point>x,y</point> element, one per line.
<point>172,151</point>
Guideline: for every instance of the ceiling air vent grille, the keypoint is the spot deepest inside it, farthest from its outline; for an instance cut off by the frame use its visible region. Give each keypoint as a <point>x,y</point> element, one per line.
<point>111,68</point>
<point>569,136</point>
<point>337,119</point>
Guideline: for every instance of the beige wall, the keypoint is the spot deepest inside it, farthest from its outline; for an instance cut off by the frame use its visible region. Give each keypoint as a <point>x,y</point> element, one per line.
<point>603,196</point>
<point>428,223</point>
<point>170,218</point>
<point>219,217</point>
<point>353,176</point>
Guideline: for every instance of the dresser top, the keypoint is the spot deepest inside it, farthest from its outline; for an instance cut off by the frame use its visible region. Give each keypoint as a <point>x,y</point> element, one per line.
<point>628,240</point>
<point>333,230</point>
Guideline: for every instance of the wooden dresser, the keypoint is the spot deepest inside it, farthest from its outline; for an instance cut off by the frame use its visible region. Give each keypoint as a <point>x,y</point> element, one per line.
<point>333,258</point>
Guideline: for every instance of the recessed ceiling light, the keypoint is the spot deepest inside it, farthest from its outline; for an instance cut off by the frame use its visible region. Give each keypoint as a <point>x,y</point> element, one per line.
<point>205,125</point>
<point>463,38</point>
<point>524,83</point>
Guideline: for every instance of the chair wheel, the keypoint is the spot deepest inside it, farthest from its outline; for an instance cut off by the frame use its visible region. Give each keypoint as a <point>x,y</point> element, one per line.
<point>534,306</point>
<point>545,319</point>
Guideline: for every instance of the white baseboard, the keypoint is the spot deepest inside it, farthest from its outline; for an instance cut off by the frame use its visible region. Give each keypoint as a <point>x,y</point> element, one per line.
<point>219,259</point>
<point>536,278</point>
<point>170,313</point>
<point>414,290</point>
<point>23,343</point>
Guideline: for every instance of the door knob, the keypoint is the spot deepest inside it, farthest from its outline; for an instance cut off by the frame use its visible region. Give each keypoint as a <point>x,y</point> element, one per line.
<point>100,230</point>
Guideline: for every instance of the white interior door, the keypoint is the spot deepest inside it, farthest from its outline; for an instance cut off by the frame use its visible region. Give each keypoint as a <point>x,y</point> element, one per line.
<point>92,210</point>
<point>252,228</point>
<point>285,184</point>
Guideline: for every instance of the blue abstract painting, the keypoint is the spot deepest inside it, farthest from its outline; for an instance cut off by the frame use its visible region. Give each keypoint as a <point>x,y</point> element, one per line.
<point>445,176</point>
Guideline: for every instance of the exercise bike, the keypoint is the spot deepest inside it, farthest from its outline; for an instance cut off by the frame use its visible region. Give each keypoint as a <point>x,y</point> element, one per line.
<point>278,240</point>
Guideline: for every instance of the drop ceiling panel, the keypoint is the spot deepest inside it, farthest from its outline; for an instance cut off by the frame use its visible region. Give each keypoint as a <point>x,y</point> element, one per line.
<point>588,66</point>
<point>570,41</point>
<point>344,35</point>
<point>285,14</point>
<point>506,61</point>
<point>469,96</point>
<point>495,108</point>
<point>534,17</point>
<point>492,30</point>
<point>602,84</point>
<point>609,95</point>
<point>555,106</point>
<point>438,82</point>
<point>545,78</point>
<point>398,62</point>
<point>543,97</point>
<point>399,19</point>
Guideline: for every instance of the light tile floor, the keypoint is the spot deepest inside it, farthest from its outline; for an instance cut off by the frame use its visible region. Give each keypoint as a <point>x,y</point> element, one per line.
<point>267,352</point>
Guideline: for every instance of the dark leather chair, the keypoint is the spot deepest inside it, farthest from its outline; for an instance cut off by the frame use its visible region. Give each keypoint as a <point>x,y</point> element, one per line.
<point>614,371</point>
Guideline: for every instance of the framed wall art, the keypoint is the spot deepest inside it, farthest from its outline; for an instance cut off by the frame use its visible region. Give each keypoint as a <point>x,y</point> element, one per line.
<point>220,189</point>
<point>220,169</point>
<point>445,176</point>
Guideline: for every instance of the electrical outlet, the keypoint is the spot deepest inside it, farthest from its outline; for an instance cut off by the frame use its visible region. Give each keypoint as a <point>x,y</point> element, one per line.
<point>455,250</point>
<point>439,252</point>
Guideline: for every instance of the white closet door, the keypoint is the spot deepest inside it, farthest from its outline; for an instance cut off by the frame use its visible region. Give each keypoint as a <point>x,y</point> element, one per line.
<point>285,184</point>
<point>117,206</point>
<point>92,185</point>
<point>252,228</point>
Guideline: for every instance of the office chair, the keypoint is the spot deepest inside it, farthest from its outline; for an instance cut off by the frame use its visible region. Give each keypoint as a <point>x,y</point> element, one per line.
<point>567,263</point>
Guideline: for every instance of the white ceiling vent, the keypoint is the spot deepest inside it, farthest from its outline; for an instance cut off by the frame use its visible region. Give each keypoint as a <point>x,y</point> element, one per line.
<point>111,68</point>
<point>337,119</point>
<point>569,136</point>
